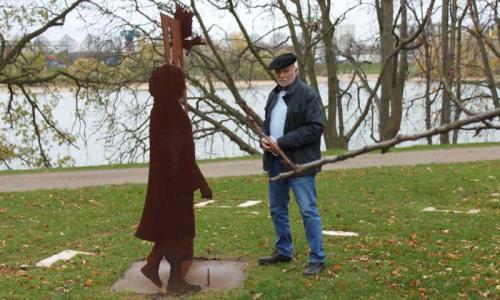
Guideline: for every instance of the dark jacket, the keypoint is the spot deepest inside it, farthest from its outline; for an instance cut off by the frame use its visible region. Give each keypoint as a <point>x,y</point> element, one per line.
<point>305,119</point>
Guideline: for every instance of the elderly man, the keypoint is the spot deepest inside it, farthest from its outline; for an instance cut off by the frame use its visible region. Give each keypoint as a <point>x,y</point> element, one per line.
<point>294,119</point>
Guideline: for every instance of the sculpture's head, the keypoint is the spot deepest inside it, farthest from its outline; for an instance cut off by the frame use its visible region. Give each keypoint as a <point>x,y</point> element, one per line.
<point>167,82</point>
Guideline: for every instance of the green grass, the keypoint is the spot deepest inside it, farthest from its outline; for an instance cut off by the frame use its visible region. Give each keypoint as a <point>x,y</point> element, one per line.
<point>246,157</point>
<point>439,146</point>
<point>424,147</point>
<point>401,253</point>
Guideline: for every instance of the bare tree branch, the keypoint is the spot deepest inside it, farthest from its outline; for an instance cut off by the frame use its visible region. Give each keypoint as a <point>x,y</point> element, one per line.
<point>385,145</point>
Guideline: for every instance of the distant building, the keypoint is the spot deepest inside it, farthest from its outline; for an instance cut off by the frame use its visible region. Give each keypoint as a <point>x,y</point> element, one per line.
<point>433,29</point>
<point>8,49</point>
<point>65,44</point>
<point>130,36</point>
<point>54,62</point>
<point>366,53</point>
<point>345,35</point>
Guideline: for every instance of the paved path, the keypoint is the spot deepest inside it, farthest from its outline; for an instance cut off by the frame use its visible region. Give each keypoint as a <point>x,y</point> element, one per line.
<point>77,179</point>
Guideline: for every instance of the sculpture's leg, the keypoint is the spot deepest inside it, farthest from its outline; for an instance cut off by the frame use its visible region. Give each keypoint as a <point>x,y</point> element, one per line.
<point>188,250</point>
<point>186,265</point>
<point>150,269</point>
<point>179,266</point>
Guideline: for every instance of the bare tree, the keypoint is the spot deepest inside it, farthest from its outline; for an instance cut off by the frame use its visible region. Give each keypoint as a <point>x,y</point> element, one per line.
<point>222,74</point>
<point>394,78</point>
<point>19,68</point>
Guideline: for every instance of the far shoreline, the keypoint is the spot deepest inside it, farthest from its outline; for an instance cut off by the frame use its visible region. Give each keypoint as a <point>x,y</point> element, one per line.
<point>242,84</point>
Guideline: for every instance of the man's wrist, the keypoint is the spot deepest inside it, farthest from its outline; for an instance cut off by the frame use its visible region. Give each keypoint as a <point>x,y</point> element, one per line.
<point>274,145</point>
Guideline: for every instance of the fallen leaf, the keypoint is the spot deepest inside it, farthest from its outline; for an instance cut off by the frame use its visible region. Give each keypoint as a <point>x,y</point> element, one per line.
<point>89,282</point>
<point>484,294</point>
<point>256,296</point>
<point>421,292</point>
<point>414,283</point>
<point>3,210</point>
<point>307,283</point>
<point>392,219</point>
<point>412,242</point>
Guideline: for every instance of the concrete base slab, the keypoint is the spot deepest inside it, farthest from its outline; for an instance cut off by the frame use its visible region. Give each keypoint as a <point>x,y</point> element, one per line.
<point>433,209</point>
<point>64,255</point>
<point>339,233</point>
<point>223,275</point>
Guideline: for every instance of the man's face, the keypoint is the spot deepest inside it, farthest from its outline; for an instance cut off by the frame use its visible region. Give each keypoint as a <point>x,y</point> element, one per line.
<point>286,76</point>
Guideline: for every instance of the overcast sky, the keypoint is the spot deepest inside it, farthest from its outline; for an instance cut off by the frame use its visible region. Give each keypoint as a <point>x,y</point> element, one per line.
<point>362,17</point>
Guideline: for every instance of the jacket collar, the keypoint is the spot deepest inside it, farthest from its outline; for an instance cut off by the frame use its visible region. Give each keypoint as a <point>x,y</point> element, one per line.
<point>290,90</point>
<point>273,97</point>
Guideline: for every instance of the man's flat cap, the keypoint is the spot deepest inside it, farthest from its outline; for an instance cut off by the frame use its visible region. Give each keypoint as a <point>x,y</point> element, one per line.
<point>282,61</point>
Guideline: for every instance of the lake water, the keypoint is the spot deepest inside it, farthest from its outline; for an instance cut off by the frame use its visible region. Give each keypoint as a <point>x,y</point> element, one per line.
<point>97,148</point>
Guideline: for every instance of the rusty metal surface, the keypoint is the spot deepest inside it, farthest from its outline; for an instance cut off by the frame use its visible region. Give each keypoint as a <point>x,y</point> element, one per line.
<point>177,37</point>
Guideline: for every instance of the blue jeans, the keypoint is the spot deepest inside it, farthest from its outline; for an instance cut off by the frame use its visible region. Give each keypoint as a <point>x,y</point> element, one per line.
<point>304,189</point>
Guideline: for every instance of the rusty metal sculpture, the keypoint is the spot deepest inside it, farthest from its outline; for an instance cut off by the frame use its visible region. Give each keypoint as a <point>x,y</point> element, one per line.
<point>168,215</point>
<point>177,36</point>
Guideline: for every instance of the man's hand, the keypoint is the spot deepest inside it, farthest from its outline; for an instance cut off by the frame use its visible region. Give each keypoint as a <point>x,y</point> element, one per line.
<point>206,192</point>
<point>269,144</point>
<point>265,143</point>
<point>274,147</point>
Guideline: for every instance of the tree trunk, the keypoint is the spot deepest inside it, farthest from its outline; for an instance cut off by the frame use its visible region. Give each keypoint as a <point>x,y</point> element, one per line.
<point>308,63</point>
<point>446,99</point>
<point>457,32</point>
<point>393,79</point>
<point>478,33</point>
<point>428,82</point>
<point>333,139</point>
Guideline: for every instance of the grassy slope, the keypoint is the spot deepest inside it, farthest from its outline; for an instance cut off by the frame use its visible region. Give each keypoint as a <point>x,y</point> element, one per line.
<point>402,252</point>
